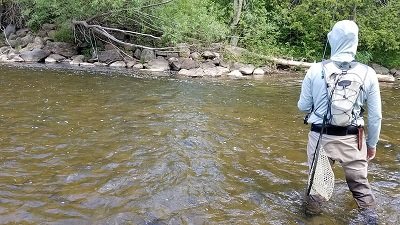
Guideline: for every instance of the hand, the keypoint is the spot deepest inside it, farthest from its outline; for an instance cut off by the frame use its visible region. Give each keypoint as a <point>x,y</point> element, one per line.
<point>371,153</point>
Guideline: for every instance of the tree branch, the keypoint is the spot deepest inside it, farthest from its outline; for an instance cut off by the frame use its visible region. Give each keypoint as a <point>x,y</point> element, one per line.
<point>103,31</point>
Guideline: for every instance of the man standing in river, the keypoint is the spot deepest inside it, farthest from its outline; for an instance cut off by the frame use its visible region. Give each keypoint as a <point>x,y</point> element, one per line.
<point>343,144</point>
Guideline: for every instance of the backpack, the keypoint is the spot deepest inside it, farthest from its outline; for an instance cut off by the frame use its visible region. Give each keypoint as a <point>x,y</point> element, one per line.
<point>344,85</point>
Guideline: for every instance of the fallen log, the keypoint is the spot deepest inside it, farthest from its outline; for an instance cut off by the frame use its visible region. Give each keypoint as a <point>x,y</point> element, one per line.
<point>381,77</point>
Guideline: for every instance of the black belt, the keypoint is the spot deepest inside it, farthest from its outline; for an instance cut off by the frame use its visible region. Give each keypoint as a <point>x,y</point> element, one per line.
<point>335,130</point>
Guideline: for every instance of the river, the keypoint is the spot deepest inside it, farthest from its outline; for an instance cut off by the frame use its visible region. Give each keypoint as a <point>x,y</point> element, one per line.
<point>101,148</point>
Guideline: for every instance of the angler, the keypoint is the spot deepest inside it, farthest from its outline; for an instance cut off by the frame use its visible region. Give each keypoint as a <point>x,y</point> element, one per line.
<point>335,93</point>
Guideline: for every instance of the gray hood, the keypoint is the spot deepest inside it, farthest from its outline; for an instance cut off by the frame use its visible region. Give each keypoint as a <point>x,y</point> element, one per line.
<point>343,39</point>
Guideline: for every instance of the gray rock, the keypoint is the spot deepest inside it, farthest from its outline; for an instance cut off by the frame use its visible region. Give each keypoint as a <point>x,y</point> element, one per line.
<point>208,64</point>
<point>109,47</point>
<point>61,48</point>
<point>235,73</point>
<point>32,46</point>
<point>99,64</point>
<point>380,69</point>
<point>197,72</point>
<point>216,71</point>
<point>48,27</point>
<point>158,65</point>
<point>130,63</point>
<point>137,53</point>
<point>17,58</point>
<point>26,40</point>
<point>86,64</point>
<point>4,58</point>
<point>10,29</point>
<point>208,55</point>
<point>118,64</point>
<point>175,64</point>
<point>184,50</point>
<point>394,72</point>
<point>5,50</point>
<point>183,63</point>
<point>77,60</point>
<point>147,55</point>
<point>12,37</point>
<point>22,32</point>
<point>138,66</point>
<point>247,69</point>
<point>258,71</point>
<point>54,58</point>
<point>15,43</point>
<point>36,55</point>
<point>109,56</point>
<point>42,33</point>
<point>195,55</point>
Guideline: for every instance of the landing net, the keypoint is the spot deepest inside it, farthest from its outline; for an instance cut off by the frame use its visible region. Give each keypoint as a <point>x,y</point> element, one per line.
<point>321,177</point>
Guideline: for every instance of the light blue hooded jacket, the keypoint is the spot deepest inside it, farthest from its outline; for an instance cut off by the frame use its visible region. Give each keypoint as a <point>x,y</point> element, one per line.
<point>343,39</point>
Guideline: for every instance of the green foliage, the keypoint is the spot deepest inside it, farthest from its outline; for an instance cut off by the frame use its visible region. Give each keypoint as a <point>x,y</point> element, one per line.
<point>193,21</point>
<point>266,27</point>
<point>364,57</point>
<point>64,33</point>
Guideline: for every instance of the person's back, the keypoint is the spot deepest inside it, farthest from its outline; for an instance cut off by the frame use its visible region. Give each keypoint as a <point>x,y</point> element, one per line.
<point>341,143</point>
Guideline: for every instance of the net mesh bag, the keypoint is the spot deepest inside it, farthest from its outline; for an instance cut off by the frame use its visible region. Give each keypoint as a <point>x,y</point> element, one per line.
<point>323,178</point>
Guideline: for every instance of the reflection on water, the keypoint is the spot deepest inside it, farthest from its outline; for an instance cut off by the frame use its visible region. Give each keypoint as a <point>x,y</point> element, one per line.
<point>82,148</point>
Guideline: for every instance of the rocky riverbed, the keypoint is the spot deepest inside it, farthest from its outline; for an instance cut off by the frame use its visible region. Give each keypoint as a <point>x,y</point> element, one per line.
<point>23,46</point>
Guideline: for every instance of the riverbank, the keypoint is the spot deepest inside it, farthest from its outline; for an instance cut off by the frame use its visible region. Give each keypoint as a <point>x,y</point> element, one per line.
<point>26,48</point>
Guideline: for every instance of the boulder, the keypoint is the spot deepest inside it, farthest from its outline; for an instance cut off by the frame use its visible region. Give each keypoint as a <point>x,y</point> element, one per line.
<point>147,55</point>
<point>36,55</point>
<point>137,53</point>
<point>138,66</point>
<point>48,26</point>
<point>197,72</point>
<point>183,63</point>
<point>26,40</point>
<point>32,46</point>
<point>4,58</point>
<point>208,55</point>
<point>216,71</point>
<point>394,72</point>
<point>109,56</point>
<point>5,50</point>
<point>258,71</point>
<point>184,50</point>
<point>109,47</point>
<point>235,73</point>
<point>17,58</point>
<point>77,60</point>
<point>22,32</point>
<point>121,64</point>
<point>54,58</point>
<point>61,48</point>
<point>10,29</point>
<point>247,69</point>
<point>130,63</point>
<point>380,69</point>
<point>158,65</point>
<point>15,43</point>
<point>195,55</point>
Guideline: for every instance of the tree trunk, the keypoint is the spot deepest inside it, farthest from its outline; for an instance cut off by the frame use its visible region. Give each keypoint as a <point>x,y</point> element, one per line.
<point>237,12</point>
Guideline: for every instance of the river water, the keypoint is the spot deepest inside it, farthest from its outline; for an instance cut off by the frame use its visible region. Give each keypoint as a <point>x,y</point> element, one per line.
<point>95,148</point>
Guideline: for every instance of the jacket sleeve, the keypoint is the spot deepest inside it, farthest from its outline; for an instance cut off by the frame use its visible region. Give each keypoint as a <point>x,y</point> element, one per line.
<point>374,112</point>
<point>306,100</point>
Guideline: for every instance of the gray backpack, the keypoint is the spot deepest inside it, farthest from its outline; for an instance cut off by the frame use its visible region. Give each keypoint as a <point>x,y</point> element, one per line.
<point>343,86</point>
